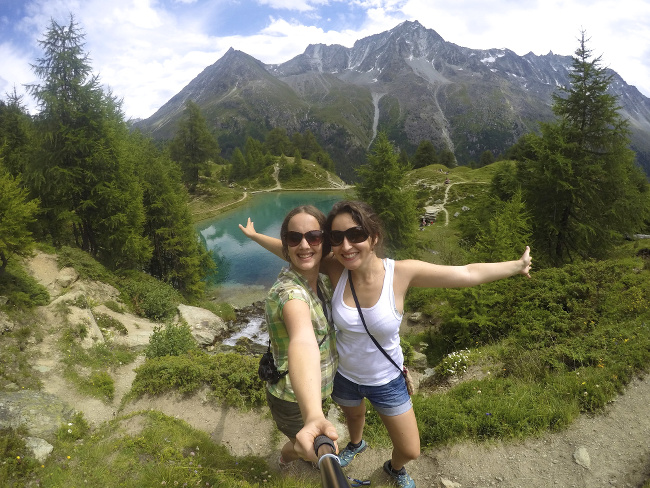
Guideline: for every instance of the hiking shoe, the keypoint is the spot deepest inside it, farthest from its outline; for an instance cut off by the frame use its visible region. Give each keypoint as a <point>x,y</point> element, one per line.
<point>349,453</point>
<point>283,464</point>
<point>401,477</point>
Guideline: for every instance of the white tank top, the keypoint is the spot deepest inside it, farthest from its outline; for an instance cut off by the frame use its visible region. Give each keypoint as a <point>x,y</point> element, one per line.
<point>359,359</point>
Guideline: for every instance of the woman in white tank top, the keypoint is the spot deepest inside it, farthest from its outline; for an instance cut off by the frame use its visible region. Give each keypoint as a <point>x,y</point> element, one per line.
<point>356,236</point>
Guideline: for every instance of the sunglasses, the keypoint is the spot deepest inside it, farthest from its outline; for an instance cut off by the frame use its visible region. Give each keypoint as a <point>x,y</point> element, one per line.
<point>313,237</point>
<point>354,235</point>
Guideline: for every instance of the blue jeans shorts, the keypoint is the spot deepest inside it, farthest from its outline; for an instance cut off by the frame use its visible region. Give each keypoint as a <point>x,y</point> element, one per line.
<point>390,399</point>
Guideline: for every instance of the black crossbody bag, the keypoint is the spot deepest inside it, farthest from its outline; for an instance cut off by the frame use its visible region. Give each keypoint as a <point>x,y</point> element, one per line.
<point>405,372</point>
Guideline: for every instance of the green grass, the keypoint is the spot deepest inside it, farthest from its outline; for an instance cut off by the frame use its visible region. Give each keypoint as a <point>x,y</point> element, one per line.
<point>20,289</point>
<point>88,369</point>
<point>231,377</point>
<point>142,449</point>
<point>16,365</point>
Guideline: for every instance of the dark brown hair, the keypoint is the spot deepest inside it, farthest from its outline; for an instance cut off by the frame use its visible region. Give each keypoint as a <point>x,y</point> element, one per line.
<point>363,215</point>
<point>314,212</point>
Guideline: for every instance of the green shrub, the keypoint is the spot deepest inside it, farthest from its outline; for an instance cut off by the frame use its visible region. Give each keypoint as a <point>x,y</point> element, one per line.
<point>170,340</point>
<point>149,297</point>
<point>105,322</point>
<point>232,378</point>
<point>224,310</point>
<point>16,461</point>
<point>407,351</point>
<point>74,430</point>
<point>22,291</point>
<point>84,264</point>
<point>114,306</point>
<point>102,384</point>
<point>454,364</point>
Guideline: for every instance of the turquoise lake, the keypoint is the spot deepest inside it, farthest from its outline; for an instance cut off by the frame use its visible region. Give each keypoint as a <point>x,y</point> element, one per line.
<point>245,271</point>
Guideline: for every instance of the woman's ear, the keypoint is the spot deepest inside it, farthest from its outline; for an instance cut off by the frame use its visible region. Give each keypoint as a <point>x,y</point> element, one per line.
<point>374,240</point>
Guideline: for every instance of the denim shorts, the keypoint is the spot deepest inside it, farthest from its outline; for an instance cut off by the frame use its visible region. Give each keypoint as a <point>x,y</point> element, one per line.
<point>390,399</point>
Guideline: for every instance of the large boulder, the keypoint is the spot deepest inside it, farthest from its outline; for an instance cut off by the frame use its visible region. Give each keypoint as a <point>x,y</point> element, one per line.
<point>206,326</point>
<point>40,413</point>
<point>66,277</point>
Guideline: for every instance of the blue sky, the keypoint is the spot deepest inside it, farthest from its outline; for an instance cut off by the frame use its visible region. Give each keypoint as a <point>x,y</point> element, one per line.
<point>146,51</point>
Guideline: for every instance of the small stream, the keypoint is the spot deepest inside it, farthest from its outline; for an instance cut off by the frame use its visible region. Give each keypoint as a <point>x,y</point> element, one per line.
<point>252,332</point>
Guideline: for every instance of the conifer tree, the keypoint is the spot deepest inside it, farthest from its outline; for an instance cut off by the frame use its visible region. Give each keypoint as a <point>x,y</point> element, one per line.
<point>487,157</point>
<point>178,257</point>
<point>506,234</point>
<point>447,158</point>
<point>383,187</point>
<point>239,165</point>
<point>581,184</point>
<point>277,142</point>
<point>425,155</point>
<point>17,212</point>
<point>16,134</point>
<point>193,145</point>
<point>80,171</point>
<point>254,153</point>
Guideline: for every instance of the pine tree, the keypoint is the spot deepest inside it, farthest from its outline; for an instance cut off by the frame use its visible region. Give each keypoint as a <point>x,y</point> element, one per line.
<point>178,257</point>
<point>581,185</point>
<point>425,155</point>
<point>193,146</point>
<point>487,157</point>
<point>506,233</point>
<point>16,134</point>
<point>80,170</point>
<point>383,187</point>
<point>17,212</point>
<point>448,159</point>
<point>277,142</point>
<point>254,153</point>
<point>239,164</point>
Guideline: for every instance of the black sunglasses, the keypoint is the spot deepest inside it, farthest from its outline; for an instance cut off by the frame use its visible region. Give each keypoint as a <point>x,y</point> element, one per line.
<point>313,237</point>
<point>354,235</point>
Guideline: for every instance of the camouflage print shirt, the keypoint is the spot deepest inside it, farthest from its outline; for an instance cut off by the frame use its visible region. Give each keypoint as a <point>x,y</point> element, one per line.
<point>292,286</point>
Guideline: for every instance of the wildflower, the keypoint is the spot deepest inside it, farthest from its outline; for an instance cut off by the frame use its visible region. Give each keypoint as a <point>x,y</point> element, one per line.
<point>18,457</point>
<point>69,431</point>
<point>68,457</point>
<point>584,382</point>
<point>488,414</point>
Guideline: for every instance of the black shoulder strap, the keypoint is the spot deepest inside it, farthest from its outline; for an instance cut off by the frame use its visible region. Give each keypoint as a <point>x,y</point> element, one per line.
<point>356,301</point>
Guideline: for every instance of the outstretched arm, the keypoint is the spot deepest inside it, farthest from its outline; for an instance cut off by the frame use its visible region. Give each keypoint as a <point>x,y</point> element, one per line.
<point>419,274</point>
<point>305,374</point>
<point>272,244</point>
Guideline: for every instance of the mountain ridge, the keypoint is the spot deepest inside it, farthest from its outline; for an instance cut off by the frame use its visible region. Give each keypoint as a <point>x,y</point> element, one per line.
<point>407,81</point>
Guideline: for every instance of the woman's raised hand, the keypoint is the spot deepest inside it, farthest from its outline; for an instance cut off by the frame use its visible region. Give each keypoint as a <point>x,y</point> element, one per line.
<point>527,262</point>
<point>249,230</point>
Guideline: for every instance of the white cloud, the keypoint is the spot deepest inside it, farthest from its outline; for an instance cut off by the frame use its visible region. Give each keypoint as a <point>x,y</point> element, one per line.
<point>295,5</point>
<point>147,52</point>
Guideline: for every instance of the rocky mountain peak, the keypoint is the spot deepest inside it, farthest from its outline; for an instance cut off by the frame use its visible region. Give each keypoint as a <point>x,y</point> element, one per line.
<point>408,81</point>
